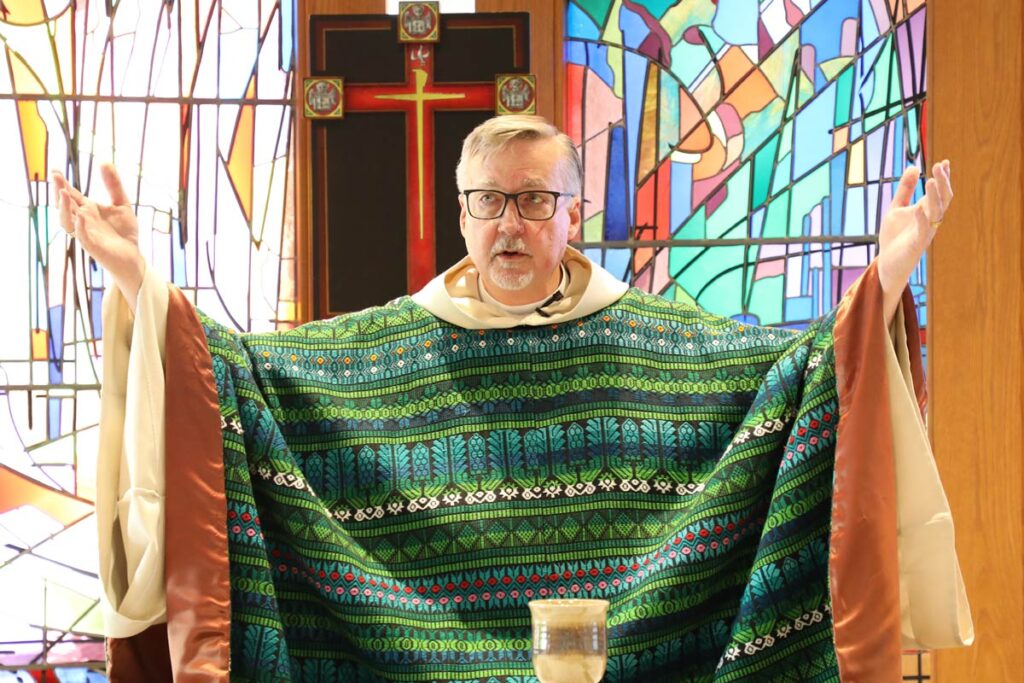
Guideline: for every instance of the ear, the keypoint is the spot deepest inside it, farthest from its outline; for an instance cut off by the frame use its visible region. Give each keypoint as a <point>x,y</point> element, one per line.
<point>462,214</point>
<point>575,218</point>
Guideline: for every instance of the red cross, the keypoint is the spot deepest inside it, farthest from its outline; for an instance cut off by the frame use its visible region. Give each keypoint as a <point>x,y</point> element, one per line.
<point>419,97</point>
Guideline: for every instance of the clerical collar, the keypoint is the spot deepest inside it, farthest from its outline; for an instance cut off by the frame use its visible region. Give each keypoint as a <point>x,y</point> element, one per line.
<point>534,307</point>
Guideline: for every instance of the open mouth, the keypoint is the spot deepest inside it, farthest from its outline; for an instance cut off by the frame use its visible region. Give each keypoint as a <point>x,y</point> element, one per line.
<point>509,251</point>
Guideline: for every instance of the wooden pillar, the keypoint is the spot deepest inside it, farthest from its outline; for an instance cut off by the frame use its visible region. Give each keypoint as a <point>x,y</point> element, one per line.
<point>976,321</point>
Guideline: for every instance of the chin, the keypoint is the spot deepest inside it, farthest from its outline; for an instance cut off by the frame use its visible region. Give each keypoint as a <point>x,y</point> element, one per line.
<point>511,281</point>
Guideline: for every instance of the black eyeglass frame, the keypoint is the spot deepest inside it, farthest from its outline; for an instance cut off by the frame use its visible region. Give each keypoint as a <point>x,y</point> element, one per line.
<point>514,196</point>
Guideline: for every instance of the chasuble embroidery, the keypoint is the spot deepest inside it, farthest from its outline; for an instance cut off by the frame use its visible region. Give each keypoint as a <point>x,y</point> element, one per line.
<point>399,488</point>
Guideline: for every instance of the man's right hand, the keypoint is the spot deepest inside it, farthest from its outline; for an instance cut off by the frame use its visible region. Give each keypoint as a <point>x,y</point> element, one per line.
<point>109,233</point>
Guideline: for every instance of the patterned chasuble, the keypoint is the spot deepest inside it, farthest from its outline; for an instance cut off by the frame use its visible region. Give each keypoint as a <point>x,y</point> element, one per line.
<point>400,488</point>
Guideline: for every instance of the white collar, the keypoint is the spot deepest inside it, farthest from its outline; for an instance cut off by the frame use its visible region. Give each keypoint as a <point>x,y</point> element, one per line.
<point>455,296</point>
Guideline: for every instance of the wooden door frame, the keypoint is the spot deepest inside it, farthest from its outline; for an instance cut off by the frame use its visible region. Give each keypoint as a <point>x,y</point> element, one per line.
<point>545,53</point>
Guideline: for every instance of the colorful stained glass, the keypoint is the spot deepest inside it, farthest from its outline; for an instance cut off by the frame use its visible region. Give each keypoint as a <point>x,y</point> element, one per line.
<point>741,153</point>
<point>191,102</point>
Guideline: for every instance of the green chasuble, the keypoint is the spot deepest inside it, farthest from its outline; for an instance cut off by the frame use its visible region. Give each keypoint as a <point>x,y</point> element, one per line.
<point>399,488</point>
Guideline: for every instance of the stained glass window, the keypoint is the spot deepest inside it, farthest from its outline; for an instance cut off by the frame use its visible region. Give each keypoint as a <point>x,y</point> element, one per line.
<point>190,99</point>
<point>741,153</point>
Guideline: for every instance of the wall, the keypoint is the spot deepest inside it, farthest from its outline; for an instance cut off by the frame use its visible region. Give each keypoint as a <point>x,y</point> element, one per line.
<point>975,320</point>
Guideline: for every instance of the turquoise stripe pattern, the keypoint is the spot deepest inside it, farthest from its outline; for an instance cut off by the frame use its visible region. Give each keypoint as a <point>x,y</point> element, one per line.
<point>398,489</point>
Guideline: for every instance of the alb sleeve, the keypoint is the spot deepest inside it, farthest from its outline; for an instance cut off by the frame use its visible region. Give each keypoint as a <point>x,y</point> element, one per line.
<point>934,608</point>
<point>130,479</point>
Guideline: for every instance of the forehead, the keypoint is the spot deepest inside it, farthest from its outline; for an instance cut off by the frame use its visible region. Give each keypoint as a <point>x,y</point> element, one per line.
<point>520,164</point>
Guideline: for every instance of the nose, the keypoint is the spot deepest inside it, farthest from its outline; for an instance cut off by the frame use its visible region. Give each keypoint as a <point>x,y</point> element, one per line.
<point>510,222</point>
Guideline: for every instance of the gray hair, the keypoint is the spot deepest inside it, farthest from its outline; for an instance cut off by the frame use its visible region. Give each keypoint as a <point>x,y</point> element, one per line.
<point>497,133</point>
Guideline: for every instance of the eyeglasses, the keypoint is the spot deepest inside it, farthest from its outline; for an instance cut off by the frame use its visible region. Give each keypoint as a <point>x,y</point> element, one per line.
<point>533,205</point>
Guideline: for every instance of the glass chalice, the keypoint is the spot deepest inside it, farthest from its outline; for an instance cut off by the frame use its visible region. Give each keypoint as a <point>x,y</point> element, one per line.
<point>569,640</point>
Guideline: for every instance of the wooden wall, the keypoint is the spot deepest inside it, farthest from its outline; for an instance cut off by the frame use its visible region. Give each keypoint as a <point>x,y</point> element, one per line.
<point>976,321</point>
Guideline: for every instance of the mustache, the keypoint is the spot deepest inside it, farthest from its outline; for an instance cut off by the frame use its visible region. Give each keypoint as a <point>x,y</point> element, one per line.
<point>509,244</point>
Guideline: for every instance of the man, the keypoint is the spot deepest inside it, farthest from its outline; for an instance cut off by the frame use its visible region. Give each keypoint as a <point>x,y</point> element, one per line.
<point>400,482</point>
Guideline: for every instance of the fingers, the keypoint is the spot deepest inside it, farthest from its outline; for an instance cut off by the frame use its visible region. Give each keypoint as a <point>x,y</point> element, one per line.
<point>925,226</point>
<point>941,174</point>
<point>118,197</point>
<point>61,184</point>
<point>65,204</point>
<point>89,211</point>
<point>933,205</point>
<point>938,193</point>
<point>69,202</point>
<point>74,195</point>
<point>80,227</point>
<point>67,215</point>
<point>87,215</point>
<point>905,190</point>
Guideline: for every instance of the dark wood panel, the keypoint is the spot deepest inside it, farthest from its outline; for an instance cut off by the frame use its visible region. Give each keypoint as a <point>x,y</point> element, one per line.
<point>344,46</point>
<point>450,126</point>
<point>975,321</point>
<point>304,161</point>
<point>361,254</point>
<point>470,53</point>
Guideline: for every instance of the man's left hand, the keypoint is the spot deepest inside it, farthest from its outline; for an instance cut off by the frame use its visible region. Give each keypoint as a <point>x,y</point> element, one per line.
<point>907,230</point>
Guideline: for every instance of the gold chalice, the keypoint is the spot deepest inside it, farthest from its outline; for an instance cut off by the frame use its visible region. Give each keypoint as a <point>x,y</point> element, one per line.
<point>569,641</point>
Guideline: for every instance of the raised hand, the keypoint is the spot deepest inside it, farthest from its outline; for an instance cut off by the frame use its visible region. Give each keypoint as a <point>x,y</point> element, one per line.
<point>907,230</point>
<point>109,233</point>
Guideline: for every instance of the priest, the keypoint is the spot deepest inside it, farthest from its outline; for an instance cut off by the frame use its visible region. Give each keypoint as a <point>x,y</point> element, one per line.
<point>378,496</point>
